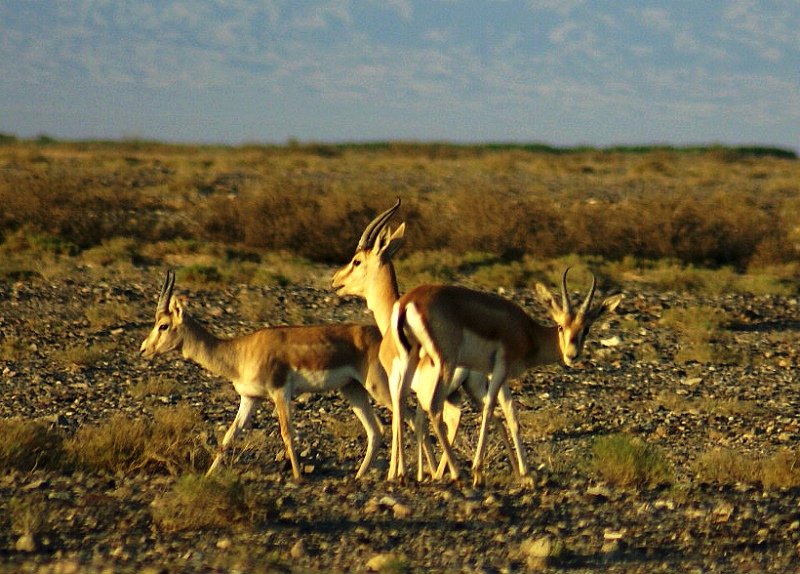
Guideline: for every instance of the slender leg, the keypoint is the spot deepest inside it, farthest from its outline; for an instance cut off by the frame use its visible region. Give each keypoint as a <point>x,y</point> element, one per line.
<point>381,394</point>
<point>360,402</point>
<point>495,382</point>
<point>510,413</point>
<point>477,387</point>
<point>246,407</point>
<point>283,407</point>
<point>451,413</point>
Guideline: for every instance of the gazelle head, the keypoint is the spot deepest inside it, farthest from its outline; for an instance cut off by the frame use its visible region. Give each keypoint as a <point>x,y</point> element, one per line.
<point>573,326</point>
<point>166,335</point>
<point>375,249</point>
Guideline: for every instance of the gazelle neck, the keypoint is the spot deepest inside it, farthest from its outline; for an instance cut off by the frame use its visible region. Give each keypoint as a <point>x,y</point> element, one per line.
<point>208,350</point>
<point>381,294</point>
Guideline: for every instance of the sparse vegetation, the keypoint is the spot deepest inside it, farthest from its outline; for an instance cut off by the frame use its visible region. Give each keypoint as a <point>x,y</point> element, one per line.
<point>727,466</point>
<point>30,445</point>
<point>628,461</point>
<point>198,502</point>
<point>171,442</point>
<point>728,210</point>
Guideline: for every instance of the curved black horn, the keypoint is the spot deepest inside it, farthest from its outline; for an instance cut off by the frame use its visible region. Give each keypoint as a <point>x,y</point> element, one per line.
<point>565,305</point>
<point>166,293</point>
<point>588,301</point>
<point>375,227</point>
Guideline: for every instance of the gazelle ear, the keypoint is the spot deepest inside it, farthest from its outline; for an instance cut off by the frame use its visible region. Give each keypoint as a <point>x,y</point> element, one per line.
<point>389,243</point>
<point>608,305</point>
<point>547,297</point>
<point>177,306</point>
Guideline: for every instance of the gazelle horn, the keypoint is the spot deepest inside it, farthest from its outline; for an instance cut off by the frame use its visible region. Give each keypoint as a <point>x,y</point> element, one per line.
<point>166,293</point>
<point>588,301</point>
<point>565,304</point>
<point>375,227</point>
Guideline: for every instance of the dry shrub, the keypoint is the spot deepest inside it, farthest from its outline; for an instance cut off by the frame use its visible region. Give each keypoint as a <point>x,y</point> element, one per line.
<point>198,502</point>
<point>171,442</point>
<point>705,208</point>
<point>629,461</point>
<point>725,466</point>
<point>29,445</point>
<point>79,206</point>
<point>704,337</point>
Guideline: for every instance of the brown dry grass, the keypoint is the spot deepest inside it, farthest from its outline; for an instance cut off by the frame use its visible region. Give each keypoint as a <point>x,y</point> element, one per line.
<point>702,207</point>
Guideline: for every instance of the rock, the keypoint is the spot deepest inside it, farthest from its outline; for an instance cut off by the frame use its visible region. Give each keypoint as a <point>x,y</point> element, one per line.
<point>26,543</point>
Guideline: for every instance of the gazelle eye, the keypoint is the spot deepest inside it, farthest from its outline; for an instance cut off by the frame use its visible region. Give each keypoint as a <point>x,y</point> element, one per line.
<point>356,262</point>
<point>163,327</point>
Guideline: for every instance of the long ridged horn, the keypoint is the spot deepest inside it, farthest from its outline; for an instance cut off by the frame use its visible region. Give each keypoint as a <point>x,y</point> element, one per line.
<point>375,227</point>
<point>565,305</point>
<point>166,293</point>
<point>588,301</point>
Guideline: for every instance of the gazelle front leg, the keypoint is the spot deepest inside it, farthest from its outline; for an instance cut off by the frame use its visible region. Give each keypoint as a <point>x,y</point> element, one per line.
<point>496,381</point>
<point>360,402</point>
<point>246,407</point>
<point>283,408</point>
<point>510,414</point>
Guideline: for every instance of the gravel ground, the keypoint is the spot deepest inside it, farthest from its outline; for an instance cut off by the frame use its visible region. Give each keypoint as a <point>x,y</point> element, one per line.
<point>628,382</point>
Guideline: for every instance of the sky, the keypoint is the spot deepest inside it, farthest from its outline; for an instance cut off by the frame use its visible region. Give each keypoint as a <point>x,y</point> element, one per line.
<point>558,72</point>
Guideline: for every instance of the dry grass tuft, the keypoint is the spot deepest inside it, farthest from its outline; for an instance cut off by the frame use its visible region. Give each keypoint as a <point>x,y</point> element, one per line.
<point>29,445</point>
<point>725,466</point>
<point>704,337</point>
<point>198,502</point>
<point>171,442</point>
<point>629,461</point>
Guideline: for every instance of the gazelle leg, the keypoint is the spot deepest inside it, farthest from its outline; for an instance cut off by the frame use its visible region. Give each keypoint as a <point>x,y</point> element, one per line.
<point>451,413</point>
<point>398,389</point>
<point>360,402</point>
<point>510,413</point>
<point>283,408</point>
<point>246,407</point>
<point>495,382</point>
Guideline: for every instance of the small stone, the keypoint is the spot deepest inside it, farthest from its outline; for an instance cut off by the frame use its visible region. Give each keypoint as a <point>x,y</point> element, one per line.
<point>401,510</point>
<point>26,543</point>
<point>224,543</point>
<point>380,562</point>
<point>298,550</point>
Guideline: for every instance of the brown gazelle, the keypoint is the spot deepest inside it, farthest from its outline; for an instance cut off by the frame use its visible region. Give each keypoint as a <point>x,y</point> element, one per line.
<point>278,363</point>
<point>451,327</point>
<point>370,274</point>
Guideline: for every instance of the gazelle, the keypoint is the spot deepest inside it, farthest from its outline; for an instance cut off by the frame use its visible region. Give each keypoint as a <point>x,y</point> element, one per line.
<point>370,274</point>
<point>455,327</point>
<point>278,363</point>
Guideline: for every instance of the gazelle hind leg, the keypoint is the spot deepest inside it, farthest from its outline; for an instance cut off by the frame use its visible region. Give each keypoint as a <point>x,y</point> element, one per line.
<point>360,402</point>
<point>246,407</point>
<point>399,385</point>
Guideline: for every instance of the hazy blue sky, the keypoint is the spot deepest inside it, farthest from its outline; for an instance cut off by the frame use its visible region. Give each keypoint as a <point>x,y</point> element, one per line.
<point>562,72</point>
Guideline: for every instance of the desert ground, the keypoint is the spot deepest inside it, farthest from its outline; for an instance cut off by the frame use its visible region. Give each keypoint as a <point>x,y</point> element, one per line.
<point>672,446</point>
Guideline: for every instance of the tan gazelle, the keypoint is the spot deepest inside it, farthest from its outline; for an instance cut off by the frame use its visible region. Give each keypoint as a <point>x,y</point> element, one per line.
<point>450,327</point>
<point>278,363</point>
<point>370,274</point>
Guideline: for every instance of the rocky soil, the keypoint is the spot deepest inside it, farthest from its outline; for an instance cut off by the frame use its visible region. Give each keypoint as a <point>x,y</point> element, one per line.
<point>566,519</point>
